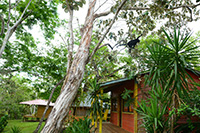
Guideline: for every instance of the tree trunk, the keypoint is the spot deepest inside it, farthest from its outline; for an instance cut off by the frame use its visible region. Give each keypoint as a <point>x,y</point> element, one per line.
<point>7,36</point>
<point>47,106</point>
<point>75,74</point>
<point>172,119</point>
<point>74,78</point>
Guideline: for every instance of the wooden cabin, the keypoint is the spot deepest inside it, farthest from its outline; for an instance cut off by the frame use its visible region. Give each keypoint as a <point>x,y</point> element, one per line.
<point>39,108</point>
<point>126,117</point>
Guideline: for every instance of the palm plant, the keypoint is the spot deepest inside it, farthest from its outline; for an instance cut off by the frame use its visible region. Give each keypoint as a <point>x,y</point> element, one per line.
<point>153,111</point>
<point>95,97</point>
<point>168,61</point>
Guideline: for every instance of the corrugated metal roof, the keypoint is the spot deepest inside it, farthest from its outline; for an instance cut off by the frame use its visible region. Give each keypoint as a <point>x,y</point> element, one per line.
<point>102,85</point>
<point>37,102</point>
<point>108,86</point>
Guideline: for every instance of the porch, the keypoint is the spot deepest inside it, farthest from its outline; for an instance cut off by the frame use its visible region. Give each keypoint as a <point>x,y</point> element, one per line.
<point>108,127</point>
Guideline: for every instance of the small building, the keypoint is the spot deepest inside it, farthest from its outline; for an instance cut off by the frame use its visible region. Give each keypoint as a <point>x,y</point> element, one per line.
<point>81,110</point>
<point>37,108</point>
<point>123,116</point>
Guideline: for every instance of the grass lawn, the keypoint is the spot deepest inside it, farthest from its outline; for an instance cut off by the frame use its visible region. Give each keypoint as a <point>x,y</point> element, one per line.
<point>26,127</point>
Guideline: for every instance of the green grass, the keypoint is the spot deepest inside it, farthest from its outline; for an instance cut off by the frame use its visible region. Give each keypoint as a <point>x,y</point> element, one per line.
<point>26,127</point>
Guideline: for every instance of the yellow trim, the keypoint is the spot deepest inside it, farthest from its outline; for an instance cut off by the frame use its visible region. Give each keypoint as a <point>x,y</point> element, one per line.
<point>91,113</point>
<point>100,121</point>
<point>131,113</point>
<point>96,123</point>
<point>136,104</point>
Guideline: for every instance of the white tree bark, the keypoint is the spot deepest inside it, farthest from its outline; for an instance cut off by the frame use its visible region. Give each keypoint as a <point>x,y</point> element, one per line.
<point>75,75</point>
<point>12,29</point>
<point>74,78</point>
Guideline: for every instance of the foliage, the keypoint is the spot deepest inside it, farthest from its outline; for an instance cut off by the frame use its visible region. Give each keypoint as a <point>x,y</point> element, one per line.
<point>191,105</point>
<point>188,127</point>
<point>170,59</point>
<point>3,122</point>
<point>79,126</point>
<point>155,111</point>
<point>143,17</point>
<point>96,98</point>
<point>126,96</point>
<point>168,62</point>
<point>13,91</point>
<point>38,12</point>
<point>24,53</point>
<point>74,5</point>
<point>15,129</point>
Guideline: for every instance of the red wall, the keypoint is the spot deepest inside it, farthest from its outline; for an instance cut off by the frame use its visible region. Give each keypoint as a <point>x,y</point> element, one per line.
<point>128,119</point>
<point>195,78</point>
<point>128,122</point>
<point>113,118</point>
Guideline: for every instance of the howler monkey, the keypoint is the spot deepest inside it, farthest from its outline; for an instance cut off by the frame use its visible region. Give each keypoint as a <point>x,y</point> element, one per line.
<point>131,44</point>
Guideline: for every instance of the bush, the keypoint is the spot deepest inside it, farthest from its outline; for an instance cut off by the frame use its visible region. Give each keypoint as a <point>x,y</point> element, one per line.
<point>79,126</point>
<point>15,129</point>
<point>3,122</point>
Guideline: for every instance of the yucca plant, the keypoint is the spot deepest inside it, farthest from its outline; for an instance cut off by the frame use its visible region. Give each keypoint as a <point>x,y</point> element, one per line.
<point>16,129</point>
<point>168,61</point>
<point>154,111</point>
<point>95,108</point>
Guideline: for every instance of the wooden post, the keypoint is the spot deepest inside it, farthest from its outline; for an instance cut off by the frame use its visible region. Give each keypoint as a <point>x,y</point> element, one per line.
<point>135,104</point>
<point>91,114</point>
<point>97,116</point>
<point>100,121</point>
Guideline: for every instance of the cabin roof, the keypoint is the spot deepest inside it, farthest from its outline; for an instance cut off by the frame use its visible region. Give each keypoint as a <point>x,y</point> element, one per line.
<point>37,102</point>
<point>109,85</point>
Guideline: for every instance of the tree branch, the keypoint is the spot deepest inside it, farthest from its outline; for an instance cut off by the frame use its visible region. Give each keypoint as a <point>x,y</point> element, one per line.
<point>8,22</point>
<point>173,8</point>
<point>71,42</point>
<point>2,25</point>
<point>100,6</point>
<point>17,2</point>
<point>115,71</point>
<point>96,69</point>
<point>13,28</point>
<point>3,72</point>
<point>63,39</point>
<point>107,44</point>
<point>21,17</point>
<point>102,14</point>
<point>104,35</point>
<point>190,10</point>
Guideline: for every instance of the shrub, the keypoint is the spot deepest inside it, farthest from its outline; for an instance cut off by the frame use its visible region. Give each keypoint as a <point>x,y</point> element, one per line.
<point>3,122</point>
<point>79,126</point>
<point>15,129</point>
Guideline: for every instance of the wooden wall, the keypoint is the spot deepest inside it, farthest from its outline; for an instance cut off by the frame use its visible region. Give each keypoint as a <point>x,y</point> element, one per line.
<point>41,109</point>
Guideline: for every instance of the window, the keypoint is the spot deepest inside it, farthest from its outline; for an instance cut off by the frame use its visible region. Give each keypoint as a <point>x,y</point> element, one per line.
<point>114,104</point>
<point>128,104</point>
